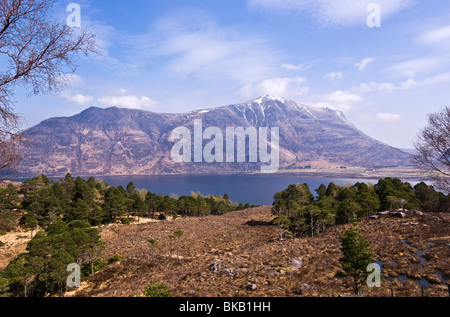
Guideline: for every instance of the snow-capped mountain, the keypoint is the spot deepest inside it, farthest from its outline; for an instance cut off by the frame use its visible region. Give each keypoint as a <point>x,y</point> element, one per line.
<point>117,141</point>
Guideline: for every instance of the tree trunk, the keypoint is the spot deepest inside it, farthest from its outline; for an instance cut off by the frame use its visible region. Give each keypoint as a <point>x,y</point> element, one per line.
<point>356,288</point>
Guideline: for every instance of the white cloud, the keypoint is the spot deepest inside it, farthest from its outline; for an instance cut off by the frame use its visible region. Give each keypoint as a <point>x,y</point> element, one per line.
<point>128,101</point>
<point>296,67</point>
<point>339,100</point>
<point>77,98</point>
<point>437,79</point>
<point>363,64</point>
<point>333,75</point>
<point>388,117</point>
<point>211,52</point>
<point>410,83</point>
<point>281,87</point>
<point>332,12</point>
<point>413,67</point>
<point>437,37</point>
<point>374,86</point>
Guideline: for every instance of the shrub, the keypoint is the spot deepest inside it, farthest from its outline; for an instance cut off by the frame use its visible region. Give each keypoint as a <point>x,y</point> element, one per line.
<point>161,217</point>
<point>155,289</point>
<point>115,258</point>
<point>98,265</point>
<point>125,221</point>
<point>1,244</point>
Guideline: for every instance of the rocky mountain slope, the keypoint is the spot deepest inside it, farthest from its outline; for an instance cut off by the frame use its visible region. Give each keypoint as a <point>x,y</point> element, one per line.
<point>130,142</point>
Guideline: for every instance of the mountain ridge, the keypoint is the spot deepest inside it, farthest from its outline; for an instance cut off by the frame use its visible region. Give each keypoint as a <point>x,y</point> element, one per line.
<point>121,141</point>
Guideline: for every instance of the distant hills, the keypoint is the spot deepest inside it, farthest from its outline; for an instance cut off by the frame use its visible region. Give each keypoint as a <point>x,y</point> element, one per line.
<point>118,141</point>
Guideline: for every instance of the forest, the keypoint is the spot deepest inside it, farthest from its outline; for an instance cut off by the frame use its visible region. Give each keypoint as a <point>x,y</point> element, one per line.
<point>298,212</point>
<point>65,216</point>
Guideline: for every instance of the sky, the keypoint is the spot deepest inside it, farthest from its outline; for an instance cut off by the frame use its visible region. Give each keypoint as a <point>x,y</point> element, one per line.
<point>384,63</point>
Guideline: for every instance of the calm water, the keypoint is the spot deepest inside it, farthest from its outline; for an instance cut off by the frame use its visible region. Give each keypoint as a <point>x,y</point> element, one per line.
<point>254,189</point>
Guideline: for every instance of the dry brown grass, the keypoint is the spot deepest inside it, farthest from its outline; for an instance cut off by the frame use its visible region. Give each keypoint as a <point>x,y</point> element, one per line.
<point>14,244</point>
<point>243,244</point>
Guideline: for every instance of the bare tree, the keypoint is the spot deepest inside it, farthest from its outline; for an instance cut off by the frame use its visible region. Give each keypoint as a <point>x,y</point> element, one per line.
<point>10,142</point>
<point>433,148</point>
<point>37,52</point>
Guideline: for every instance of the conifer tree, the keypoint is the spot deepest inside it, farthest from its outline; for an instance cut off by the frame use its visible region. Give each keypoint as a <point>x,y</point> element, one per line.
<point>356,256</point>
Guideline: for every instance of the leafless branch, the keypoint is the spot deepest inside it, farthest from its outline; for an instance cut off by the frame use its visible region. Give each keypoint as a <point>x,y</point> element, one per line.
<point>433,148</point>
<point>37,53</point>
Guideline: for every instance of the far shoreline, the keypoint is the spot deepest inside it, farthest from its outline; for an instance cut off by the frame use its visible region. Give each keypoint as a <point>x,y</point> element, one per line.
<point>348,172</point>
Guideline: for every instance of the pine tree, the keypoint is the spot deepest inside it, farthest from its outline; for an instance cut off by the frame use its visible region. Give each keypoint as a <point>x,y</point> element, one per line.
<point>321,191</point>
<point>114,205</point>
<point>178,234</point>
<point>131,189</point>
<point>154,244</point>
<point>139,207</point>
<point>83,191</point>
<point>79,211</point>
<point>356,256</point>
<point>284,224</point>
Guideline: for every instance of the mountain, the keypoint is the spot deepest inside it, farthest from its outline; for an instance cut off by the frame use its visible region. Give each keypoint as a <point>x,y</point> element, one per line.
<point>117,141</point>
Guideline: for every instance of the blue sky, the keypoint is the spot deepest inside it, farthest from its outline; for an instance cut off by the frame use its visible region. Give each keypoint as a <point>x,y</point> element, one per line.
<point>182,55</point>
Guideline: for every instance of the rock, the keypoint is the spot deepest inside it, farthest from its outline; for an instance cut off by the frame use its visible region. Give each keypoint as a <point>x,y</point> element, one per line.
<point>225,272</point>
<point>398,214</point>
<point>410,224</point>
<point>349,295</point>
<point>417,213</point>
<point>305,289</point>
<point>383,213</point>
<point>374,217</point>
<point>270,272</point>
<point>296,263</point>
<point>214,267</point>
<point>251,287</point>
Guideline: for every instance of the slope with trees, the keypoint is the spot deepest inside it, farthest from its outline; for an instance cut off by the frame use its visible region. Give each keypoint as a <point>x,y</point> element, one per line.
<point>300,213</point>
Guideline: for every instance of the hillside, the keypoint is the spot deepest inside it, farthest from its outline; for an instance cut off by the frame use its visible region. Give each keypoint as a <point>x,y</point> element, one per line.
<point>118,141</point>
<point>221,255</point>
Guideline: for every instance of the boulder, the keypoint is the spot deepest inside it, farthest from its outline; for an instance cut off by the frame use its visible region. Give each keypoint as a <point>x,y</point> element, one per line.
<point>225,272</point>
<point>296,263</point>
<point>398,214</point>
<point>214,267</point>
<point>251,287</point>
<point>383,213</point>
<point>416,213</point>
<point>270,271</point>
<point>305,289</point>
<point>374,217</point>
